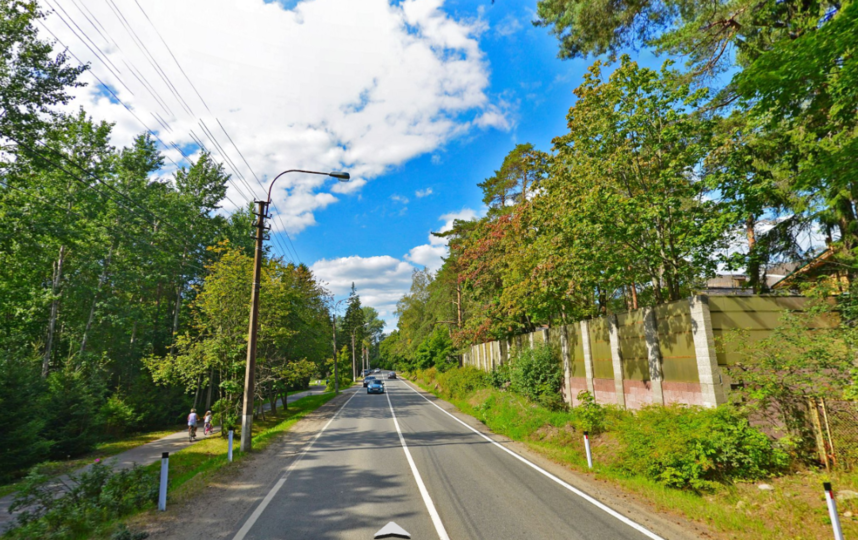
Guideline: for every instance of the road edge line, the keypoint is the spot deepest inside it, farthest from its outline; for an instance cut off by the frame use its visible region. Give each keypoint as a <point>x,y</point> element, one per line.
<point>598,504</point>
<point>427,500</point>
<point>251,521</point>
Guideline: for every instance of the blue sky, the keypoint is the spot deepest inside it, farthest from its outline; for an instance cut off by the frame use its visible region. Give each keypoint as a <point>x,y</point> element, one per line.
<point>419,99</point>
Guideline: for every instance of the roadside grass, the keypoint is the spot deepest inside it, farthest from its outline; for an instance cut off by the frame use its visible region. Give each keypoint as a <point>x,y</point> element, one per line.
<point>102,450</point>
<point>795,508</point>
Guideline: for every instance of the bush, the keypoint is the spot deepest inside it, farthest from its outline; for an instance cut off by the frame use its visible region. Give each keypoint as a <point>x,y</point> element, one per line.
<point>589,414</point>
<point>86,501</point>
<point>436,351</point>
<point>500,377</point>
<point>691,447</point>
<point>116,416</point>
<point>459,382</point>
<point>535,373</point>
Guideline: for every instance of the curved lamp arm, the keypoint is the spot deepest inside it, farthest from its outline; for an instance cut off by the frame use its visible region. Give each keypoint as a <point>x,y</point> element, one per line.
<point>341,176</point>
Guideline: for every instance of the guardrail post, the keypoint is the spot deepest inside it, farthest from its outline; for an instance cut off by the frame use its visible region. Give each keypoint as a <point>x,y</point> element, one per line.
<point>162,492</point>
<point>587,447</point>
<point>832,511</point>
<point>229,450</point>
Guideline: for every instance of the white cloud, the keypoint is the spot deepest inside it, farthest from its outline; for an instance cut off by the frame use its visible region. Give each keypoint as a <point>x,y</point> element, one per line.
<point>399,199</point>
<point>508,26</point>
<point>420,193</point>
<point>430,255</point>
<point>327,85</point>
<point>381,281</point>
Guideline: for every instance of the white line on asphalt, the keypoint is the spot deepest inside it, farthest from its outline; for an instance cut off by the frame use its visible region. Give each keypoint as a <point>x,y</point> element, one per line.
<point>427,500</point>
<point>267,500</point>
<point>576,491</point>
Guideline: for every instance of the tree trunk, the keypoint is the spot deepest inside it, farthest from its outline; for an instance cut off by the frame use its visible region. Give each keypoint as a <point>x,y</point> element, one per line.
<point>101,280</point>
<point>197,393</point>
<point>55,306</point>
<point>634,290</point>
<point>209,393</point>
<point>272,397</point>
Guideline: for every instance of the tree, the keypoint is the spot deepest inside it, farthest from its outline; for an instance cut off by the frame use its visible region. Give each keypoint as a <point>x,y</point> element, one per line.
<point>710,34</point>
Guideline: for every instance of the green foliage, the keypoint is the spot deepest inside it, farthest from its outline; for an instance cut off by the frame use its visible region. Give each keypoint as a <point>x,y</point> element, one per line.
<point>693,448</point>
<point>591,415</point>
<point>459,382</point>
<point>116,416</point>
<point>535,373</point>
<point>21,395</point>
<point>436,351</point>
<point>87,500</point>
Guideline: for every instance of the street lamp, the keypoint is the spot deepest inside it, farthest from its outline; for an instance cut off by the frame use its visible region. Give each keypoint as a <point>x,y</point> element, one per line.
<point>250,371</point>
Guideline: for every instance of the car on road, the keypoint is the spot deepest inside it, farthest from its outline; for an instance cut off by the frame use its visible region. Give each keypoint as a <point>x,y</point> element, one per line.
<point>391,375</point>
<point>375,387</point>
<point>368,380</point>
<point>366,372</point>
<point>377,370</point>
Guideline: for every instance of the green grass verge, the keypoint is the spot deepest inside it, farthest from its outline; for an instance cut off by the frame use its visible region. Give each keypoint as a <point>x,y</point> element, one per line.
<point>794,509</point>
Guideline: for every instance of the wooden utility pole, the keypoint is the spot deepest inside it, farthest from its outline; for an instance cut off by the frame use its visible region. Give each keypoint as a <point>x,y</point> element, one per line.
<point>354,373</point>
<point>250,371</point>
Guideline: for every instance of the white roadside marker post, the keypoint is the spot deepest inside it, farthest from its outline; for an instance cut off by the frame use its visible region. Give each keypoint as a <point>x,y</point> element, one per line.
<point>587,447</point>
<point>229,451</point>
<point>832,511</point>
<point>162,493</point>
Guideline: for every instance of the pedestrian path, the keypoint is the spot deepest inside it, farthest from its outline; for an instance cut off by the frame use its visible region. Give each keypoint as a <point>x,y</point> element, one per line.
<point>145,454</point>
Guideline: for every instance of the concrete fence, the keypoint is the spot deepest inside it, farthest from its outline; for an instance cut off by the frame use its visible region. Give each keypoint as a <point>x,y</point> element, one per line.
<point>660,355</point>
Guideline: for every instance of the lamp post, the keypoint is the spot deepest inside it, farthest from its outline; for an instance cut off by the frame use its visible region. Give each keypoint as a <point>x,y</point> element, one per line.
<point>250,369</point>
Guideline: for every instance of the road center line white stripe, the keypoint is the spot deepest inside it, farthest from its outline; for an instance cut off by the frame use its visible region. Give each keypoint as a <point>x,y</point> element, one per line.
<point>576,491</point>
<point>267,500</point>
<point>427,500</point>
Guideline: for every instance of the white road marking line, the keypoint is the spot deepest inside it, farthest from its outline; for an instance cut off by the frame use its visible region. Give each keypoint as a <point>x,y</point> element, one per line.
<point>576,491</point>
<point>267,500</point>
<point>427,500</point>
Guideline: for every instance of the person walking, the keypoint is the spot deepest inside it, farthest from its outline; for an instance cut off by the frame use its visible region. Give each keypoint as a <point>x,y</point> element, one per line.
<point>192,425</point>
<point>207,422</point>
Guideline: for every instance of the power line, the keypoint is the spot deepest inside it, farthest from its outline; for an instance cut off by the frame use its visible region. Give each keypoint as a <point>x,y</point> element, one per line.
<point>106,87</point>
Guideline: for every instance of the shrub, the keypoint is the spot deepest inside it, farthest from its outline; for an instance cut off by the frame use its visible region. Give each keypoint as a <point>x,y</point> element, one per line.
<point>691,447</point>
<point>500,377</point>
<point>116,416</point>
<point>85,501</point>
<point>436,350</point>
<point>589,414</point>
<point>459,382</point>
<point>535,373</point>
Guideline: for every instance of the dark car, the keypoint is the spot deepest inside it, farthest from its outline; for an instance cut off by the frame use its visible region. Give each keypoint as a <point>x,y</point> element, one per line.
<point>366,372</point>
<point>375,387</point>
<point>391,375</point>
<point>368,380</point>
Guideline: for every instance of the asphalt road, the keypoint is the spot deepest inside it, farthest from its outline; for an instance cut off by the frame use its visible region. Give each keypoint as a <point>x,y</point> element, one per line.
<point>450,482</point>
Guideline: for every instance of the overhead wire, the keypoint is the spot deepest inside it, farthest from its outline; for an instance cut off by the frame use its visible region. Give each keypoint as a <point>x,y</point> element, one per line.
<point>209,132</point>
<point>95,23</point>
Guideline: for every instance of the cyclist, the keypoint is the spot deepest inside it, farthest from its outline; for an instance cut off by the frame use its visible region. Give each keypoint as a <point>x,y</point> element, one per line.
<point>192,425</point>
<point>207,422</point>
